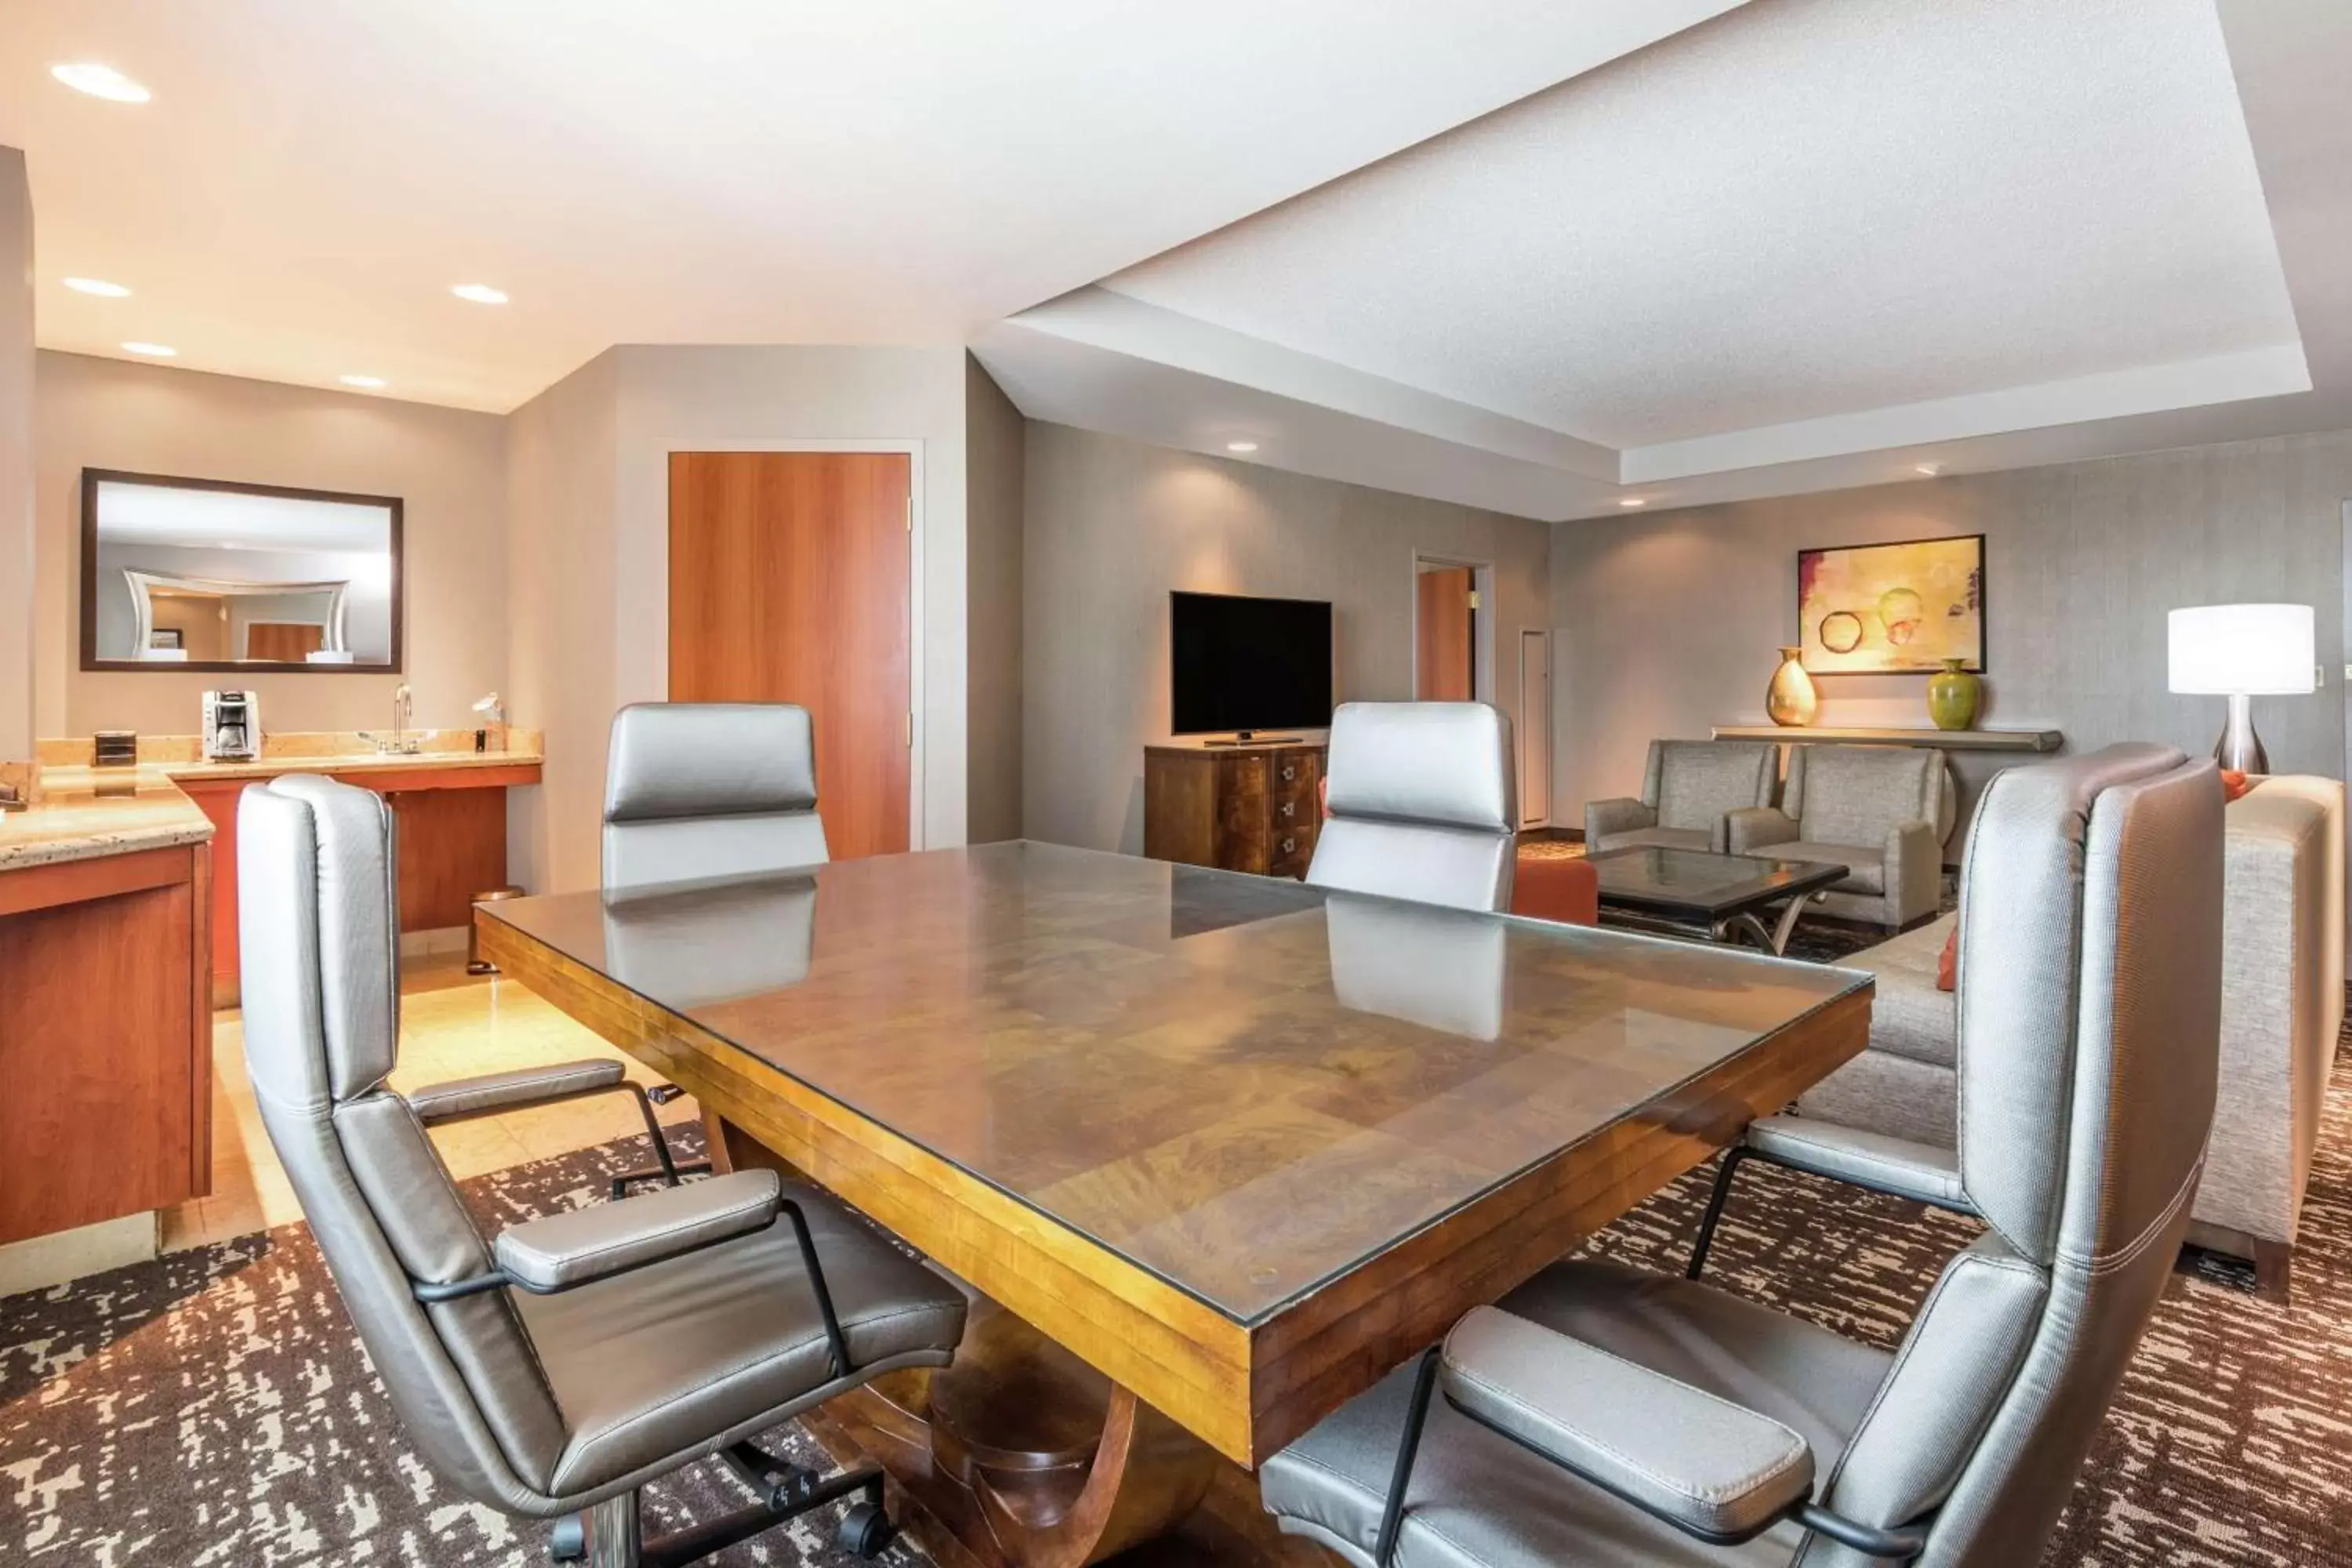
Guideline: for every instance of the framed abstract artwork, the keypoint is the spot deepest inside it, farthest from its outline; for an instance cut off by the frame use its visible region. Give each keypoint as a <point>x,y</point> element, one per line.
<point>1892,609</point>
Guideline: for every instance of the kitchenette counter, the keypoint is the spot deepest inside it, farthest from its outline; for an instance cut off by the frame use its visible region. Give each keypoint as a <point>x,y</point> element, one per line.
<point>84,816</point>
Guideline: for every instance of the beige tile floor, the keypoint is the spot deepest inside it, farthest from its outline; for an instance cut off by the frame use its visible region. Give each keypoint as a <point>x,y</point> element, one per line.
<point>452,1026</point>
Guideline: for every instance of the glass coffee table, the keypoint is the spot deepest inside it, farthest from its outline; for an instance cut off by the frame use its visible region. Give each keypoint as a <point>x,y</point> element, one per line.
<point>1721,898</point>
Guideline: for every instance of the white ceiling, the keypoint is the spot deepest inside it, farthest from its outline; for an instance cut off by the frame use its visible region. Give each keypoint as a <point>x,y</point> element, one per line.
<point>1810,243</point>
<point>312,176</point>
<point>1521,254</point>
<point>237,520</point>
<point>1806,208</point>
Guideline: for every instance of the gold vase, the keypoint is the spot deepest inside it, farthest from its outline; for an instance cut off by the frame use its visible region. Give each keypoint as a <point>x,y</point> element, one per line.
<point>1791,699</point>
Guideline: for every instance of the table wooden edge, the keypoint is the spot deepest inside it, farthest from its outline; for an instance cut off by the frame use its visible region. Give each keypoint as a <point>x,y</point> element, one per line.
<point>1245,1391</point>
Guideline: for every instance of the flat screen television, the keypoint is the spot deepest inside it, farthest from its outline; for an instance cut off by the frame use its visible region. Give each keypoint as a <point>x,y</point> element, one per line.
<point>1242,664</point>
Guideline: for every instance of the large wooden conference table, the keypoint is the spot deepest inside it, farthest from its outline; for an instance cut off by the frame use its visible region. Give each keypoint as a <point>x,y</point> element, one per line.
<point>1215,1151</point>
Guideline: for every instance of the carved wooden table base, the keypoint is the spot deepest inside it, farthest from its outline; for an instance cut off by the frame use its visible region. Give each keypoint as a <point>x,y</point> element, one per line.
<point>1022,1455</point>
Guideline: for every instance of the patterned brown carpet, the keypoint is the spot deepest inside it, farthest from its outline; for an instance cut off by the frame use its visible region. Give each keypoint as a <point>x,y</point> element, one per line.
<point>213,1408</point>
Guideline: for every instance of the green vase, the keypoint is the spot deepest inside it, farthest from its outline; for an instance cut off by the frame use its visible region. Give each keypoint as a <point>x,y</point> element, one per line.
<point>1953,695</point>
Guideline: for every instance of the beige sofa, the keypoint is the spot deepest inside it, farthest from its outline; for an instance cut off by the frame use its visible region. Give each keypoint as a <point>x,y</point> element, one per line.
<point>2282,930</point>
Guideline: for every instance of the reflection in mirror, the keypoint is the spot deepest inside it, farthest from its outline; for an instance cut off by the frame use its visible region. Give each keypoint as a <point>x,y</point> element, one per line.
<point>198,574</point>
<point>1421,963</point>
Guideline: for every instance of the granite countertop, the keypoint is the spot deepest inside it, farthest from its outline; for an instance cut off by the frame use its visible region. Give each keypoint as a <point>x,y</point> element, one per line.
<point>87,812</point>
<point>124,812</point>
<point>269,766</point>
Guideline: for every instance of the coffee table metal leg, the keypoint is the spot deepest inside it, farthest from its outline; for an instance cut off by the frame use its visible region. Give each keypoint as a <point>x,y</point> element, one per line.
<point>1788,926</point>
<point>1744,924</point>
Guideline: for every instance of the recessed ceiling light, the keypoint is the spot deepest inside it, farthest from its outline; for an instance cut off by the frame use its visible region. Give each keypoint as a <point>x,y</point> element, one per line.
<point>97,286</point>
<point>480,293</point>
<point>1632,501</point>
<point>1930,469</point>
<point>371,382</point>
<point>1241,446</point>
<point>100,82</point>
<point>153,351</point>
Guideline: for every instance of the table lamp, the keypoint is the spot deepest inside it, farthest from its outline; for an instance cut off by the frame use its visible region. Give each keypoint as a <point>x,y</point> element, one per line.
<point>2241,652</point>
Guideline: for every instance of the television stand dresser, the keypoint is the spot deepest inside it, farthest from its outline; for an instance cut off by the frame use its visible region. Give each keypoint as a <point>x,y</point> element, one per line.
<point>1250,806</point>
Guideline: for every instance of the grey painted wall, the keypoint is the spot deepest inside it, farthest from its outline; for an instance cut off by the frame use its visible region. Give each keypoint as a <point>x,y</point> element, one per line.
<point>18,571</point>
<point>1667,623</point>
<point>560,480</point>
<point>994,444</point>
<point>447,464</point>
<point>1114,524</point>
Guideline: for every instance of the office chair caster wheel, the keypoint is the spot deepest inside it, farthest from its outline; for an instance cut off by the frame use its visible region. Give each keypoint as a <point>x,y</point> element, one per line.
<point>568,1541</point>
<point>865,1530</point>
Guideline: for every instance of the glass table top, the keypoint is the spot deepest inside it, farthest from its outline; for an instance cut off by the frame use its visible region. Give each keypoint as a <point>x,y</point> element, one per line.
<point>1243,1085</point>
<point>1655,876</point>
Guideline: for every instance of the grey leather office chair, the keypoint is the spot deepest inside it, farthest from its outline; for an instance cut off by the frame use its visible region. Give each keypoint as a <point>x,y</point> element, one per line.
<point>1420,804</point>
<point>556,1371</point>
<point>696,790</point>
<point>1603,1415</point>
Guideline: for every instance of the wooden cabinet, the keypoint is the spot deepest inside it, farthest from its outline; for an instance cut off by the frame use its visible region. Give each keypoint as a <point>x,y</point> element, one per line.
<point>105,1037</point>
<point>1239,808</point>
<point>452,823</point>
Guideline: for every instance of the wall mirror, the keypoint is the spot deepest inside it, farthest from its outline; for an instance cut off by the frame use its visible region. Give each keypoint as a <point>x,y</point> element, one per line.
<point>202,574</point>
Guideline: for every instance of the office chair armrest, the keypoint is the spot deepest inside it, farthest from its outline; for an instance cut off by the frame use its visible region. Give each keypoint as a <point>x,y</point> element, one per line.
<point>1751,827</point>
<point>463,1098</point>
<point>1718,1470</point>
<point>1622,813</point>
<point>1878,1161</point>
<point>566,1250</point>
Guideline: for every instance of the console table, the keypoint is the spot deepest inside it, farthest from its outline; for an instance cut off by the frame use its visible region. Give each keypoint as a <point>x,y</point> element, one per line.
<point>1907,735</point>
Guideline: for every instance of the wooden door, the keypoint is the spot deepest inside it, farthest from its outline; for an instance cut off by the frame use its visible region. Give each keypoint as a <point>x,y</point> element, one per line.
<point>788,577</point>
<point>1442,657</point>
<point>289,641</point>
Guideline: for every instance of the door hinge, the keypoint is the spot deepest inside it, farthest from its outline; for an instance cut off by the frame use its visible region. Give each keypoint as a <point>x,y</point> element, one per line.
<point>1473,598</point>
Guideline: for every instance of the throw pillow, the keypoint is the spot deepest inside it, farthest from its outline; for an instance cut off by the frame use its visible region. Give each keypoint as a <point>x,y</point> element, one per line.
<point>1948,966</point>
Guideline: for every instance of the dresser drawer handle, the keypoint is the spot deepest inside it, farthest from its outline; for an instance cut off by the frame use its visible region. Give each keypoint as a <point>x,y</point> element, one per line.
<point>1290,845</point>
<point>1289,808</point>
<point>1289,772</point>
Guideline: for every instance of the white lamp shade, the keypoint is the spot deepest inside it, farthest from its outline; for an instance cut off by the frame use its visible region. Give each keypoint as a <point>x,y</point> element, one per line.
<point>2259,650</point>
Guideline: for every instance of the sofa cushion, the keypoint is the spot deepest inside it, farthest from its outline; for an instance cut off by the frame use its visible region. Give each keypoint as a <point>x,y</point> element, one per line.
<point>1856,794</point>
<point>1865,867</point>
<point>1699,780</point>
<point>1909,1016</point>
<point>1665,838</point>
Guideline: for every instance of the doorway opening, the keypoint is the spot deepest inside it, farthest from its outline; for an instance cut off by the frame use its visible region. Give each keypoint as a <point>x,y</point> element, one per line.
<point>1452,629</point>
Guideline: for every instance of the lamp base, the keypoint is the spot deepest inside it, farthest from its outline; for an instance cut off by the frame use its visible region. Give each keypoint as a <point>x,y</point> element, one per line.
<point>2240,749</point>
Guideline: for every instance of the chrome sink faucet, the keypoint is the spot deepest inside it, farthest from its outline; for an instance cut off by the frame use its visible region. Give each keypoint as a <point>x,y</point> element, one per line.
<point>403,709</point>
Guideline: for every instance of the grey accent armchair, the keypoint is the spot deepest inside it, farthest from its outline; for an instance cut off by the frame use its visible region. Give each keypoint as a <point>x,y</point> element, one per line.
<point>1601,1415</point>
<point>1883,812</point>
<point>700,790</point>
<point>556,1371</point>
<point>1421,805</point>
<point>1688,788</point>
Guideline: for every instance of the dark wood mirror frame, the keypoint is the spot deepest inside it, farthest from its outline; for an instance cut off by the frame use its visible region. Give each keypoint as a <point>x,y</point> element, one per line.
<point>92,477</point>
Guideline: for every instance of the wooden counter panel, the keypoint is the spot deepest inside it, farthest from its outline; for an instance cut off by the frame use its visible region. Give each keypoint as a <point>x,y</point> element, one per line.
<point>453,845</point>
<point>105,1038</point>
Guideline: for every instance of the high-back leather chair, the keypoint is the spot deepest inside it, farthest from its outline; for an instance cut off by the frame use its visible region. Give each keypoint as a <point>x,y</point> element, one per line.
<point>696,790</point>
<point>554,1370</point>
<point>1698,1429</point>
<point>1420,804</point>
